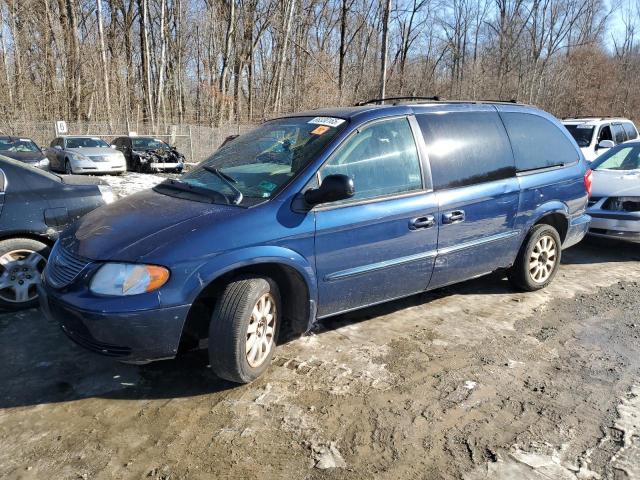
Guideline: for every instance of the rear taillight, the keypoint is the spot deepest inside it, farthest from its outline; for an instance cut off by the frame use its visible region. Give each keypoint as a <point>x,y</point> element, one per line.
<point>588,181</point>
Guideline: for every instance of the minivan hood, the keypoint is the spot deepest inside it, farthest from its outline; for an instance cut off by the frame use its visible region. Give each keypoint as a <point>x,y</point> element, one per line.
<point>129,228</point>
<point>620,183</point>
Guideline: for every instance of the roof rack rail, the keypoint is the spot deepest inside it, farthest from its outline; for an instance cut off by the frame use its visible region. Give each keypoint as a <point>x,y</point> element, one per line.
<point>431,99</point>
<point>435,98</point>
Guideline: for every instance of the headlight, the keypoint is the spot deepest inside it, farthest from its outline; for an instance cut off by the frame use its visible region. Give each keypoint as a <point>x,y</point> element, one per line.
<point>107,193</point>
<point>118,279</point>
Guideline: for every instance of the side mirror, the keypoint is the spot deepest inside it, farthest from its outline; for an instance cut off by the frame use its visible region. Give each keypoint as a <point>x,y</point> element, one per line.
<point>606,144</point>
<point>113,146</point>
<point>332,189</point>
<point>58,147</point>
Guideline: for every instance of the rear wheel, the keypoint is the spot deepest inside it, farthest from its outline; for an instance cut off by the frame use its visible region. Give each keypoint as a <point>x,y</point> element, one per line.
<point>243,330</point>
<point>538,260</point>
<point>22,261</point>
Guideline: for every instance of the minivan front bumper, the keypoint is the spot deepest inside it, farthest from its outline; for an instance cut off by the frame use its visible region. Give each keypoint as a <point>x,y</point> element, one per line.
<point>138,336</point>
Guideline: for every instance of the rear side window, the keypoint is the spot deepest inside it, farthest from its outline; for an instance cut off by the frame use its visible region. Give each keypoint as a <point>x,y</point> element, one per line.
<point>618,133</point>
<point>466,148</point>
<point>537,143</point>
<point>605,133</point>
<point>630,130</point>
<point>382,159</point>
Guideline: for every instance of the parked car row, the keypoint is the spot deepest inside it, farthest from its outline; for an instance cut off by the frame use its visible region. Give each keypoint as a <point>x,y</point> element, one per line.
<point>319,213</point>
<point>92,155</point>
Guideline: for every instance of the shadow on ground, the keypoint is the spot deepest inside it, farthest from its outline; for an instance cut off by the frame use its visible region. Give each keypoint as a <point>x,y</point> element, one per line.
<point>40,365</point>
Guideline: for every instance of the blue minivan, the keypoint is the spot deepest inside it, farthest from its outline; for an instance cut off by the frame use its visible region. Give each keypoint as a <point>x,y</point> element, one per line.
<point>315,214</point>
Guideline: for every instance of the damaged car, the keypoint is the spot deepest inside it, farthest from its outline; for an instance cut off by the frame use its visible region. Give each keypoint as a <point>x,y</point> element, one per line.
<point>35,206</point>
<point>615,204</point>
<point>315,214</point>
<point>149,154</point>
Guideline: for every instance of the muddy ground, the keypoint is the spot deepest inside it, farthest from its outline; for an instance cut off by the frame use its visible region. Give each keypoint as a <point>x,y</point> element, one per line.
<point>472,381</point>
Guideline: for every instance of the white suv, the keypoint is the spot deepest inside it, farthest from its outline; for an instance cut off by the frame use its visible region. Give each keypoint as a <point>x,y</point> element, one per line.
<point>596,135</point>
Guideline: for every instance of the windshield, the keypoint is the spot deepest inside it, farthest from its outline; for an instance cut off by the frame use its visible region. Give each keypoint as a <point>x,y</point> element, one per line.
<point>253,167</point>
<point>622,157</point>
<point>18,145</point>
<point>86,142</point>
<point>581,133</point>
<point>148,144</point>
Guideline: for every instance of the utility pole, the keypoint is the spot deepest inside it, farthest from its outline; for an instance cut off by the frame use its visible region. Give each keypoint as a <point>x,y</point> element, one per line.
<point>385,47</point>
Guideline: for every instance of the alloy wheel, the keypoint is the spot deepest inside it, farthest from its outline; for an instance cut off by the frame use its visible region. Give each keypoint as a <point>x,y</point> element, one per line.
<point>543,259</point>
<point>261,330</point>
<point>20,272</point>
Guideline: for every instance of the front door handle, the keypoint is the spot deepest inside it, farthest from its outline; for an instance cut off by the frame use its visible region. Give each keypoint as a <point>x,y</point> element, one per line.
<point>456,216</point>
<point>419,223</point>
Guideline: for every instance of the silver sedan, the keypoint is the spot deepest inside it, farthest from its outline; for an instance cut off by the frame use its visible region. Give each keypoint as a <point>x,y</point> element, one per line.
<point>615,204</point>
<point>85,155</point>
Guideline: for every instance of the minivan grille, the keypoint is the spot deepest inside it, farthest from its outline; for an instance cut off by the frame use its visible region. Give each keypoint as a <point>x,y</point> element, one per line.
<point>63,267</point>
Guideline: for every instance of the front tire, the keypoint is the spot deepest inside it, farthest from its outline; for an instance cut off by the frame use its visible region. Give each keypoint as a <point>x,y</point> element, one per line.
<point>68,169</point>
<point>22,261</point>
<point>538,259</point>
<point>244,328</point>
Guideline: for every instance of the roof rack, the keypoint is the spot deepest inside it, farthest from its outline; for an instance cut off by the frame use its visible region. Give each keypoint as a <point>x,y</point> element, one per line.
<point>435,98</point>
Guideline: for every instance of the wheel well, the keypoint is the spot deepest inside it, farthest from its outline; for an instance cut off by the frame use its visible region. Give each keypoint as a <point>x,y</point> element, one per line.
<point>291,284</point>
<point>557,221</point>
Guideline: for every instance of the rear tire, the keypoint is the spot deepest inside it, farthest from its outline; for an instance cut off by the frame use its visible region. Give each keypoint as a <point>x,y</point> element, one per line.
<point>244,328</point>
<point>538,260</point>
<point>21,263</point>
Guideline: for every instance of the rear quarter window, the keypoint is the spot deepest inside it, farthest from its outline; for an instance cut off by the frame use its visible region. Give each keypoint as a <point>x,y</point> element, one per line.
<point>466,148</point>
<point>537,143</point>
<point>631,131</point>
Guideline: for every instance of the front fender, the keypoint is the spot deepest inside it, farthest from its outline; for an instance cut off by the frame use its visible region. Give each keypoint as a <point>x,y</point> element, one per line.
<point>219,265</point>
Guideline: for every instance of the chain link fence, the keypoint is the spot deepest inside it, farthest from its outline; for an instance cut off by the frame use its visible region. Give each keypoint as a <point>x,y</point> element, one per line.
<point>195,142</point>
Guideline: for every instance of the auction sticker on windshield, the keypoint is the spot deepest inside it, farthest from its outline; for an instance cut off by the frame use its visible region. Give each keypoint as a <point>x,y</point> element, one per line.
<point>328,121</point>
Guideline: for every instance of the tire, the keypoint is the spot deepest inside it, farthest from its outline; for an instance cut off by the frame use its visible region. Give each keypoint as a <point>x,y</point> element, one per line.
<point>538,260</point>
<point>21,260</point>
<point>67,167</point>
<point>229,334</point>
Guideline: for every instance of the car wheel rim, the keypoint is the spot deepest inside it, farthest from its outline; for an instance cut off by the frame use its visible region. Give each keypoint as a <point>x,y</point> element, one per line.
<point>20,272</point>
<point>543,259</point>
<point>261,330</point>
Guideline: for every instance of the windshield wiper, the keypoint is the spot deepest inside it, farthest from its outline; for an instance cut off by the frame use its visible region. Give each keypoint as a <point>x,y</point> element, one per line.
<point>188,188</point>
<point>228,179</point>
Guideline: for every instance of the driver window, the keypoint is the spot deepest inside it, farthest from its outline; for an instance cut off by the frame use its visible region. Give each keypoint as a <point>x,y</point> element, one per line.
<point>382,159</point>
<point>605,134</point>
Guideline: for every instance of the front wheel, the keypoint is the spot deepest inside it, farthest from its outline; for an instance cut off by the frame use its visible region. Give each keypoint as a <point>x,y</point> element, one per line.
<point>244,328</point>
<point>22,261</point>
<point>538,260</point>
<point>67,168</point>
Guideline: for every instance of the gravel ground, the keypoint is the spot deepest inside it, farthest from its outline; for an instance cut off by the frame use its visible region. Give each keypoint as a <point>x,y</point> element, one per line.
<point>472,381</point>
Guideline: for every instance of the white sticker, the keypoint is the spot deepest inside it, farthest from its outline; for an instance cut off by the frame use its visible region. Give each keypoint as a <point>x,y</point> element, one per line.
<point>156,140</point>
<point>328,121</point>
<point>95,138</point>
<point>24,139</point>
<point>584,126</point>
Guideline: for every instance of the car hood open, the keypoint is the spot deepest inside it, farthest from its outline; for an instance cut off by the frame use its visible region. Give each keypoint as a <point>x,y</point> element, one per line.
<point>130,228</point>
<point>619,183</point>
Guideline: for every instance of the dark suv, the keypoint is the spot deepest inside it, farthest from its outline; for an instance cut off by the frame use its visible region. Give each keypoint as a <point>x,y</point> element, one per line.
<point>316,214</point>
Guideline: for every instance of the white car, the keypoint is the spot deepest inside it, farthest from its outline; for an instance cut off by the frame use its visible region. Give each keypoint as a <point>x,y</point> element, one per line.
<point>74,155</point>
<point>597,135</point>
<point>615,202</point>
